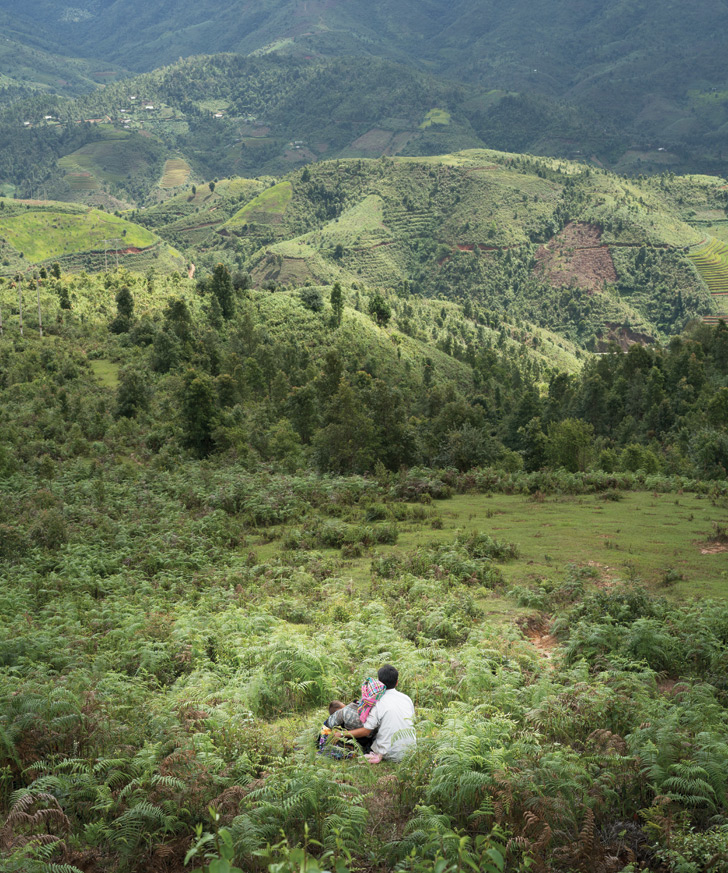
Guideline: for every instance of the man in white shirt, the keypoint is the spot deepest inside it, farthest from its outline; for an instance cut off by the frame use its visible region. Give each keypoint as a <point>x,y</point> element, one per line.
<point>393,716</point>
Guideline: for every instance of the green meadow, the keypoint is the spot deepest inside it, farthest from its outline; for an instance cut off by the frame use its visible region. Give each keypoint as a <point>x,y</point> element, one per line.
<point>43,234</point>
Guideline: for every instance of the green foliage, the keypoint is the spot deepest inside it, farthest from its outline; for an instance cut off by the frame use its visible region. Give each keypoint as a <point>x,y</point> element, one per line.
<point>379,309</point>
<point>221,286</point>
<point>133,394</point>
<point>300,801</point>
<point>198,412</point>
<point>176,622</point>
<point>311,298</point>
<point>337,304</point>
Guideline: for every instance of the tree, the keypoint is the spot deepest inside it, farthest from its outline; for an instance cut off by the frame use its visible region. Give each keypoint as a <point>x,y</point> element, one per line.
<point>221,285</point>
<point>124,311</point>
<point>198,412</point>
<point>178,320</point>
<point>569,444</point>
<point>337,305</point>
<point>346,444</point>
<point>133,393</point>
<point>718,408</point>
<point>379,309</point>
<point>709,452</point>
<point>533,445</point>
<point>125,302</point>
<point>311,298</point>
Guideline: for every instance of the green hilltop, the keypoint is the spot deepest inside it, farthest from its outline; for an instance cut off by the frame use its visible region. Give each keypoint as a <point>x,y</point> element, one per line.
<point>34,233</point>
<point>589,254</point>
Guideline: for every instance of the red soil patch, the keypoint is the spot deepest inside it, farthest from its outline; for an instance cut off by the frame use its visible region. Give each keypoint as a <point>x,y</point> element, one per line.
<point>576,256</point>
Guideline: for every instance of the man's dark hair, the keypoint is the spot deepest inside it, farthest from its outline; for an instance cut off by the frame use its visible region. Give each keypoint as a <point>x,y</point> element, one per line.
<point>388,675</point>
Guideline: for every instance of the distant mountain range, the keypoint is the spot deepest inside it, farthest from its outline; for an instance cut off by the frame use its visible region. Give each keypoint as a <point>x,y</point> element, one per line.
<point>657,74</point>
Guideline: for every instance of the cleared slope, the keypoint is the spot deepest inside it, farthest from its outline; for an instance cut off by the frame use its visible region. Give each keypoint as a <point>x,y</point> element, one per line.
<point>35,232</point>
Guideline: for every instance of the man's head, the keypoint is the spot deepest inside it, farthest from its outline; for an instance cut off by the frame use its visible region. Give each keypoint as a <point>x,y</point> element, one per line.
<point>335,706</point>
<point>388,675</point>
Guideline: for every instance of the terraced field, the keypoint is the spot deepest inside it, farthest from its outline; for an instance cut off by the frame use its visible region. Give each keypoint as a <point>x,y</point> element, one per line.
<point>176,172</point>
<point>711,261</point>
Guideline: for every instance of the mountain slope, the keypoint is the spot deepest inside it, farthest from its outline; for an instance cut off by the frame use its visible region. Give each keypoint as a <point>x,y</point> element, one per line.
<point>587,253</point>
<point>40,232</point>
<point>659,70</point>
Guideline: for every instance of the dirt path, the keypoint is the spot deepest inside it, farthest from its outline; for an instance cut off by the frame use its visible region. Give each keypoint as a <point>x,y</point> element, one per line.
<point>543,642</point>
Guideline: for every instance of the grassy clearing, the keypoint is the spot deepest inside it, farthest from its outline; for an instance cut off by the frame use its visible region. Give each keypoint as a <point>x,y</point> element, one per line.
<point>45,234</point>
<point>435,116</point>
<point>106,373</point>
<point>641,536</point>
<point>266,208</point>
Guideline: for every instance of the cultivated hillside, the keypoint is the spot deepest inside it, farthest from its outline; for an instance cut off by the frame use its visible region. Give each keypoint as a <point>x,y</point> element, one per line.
<point>659,74</point>
<point>38,233</point>
<point>584,252</point>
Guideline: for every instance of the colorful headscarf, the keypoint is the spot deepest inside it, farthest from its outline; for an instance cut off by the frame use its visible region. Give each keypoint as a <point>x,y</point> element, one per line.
<point>371,691</point>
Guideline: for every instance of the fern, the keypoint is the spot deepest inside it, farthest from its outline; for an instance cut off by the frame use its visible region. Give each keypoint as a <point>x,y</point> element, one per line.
<point>298,797</point>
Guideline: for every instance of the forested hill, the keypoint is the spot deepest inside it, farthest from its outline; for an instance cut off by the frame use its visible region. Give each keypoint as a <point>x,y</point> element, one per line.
<point>654,73</point>
<point>588,254</point>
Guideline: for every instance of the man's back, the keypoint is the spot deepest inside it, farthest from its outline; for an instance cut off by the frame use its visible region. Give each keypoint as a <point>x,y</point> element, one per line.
<point>394,716</point>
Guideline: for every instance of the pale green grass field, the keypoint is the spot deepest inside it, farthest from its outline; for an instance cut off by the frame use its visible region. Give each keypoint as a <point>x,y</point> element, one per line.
<point>47,234</point>
<point>641,537</point>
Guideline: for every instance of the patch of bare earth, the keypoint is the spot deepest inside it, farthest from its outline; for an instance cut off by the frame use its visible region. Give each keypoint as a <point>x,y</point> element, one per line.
<point>576,256</point>
<point>385,821</point>
<point>535,629</point>
<point>622,336</point>
<point>713,548</point>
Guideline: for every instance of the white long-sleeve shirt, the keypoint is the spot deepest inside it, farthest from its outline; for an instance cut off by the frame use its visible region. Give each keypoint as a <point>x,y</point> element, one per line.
<point>394,715</point>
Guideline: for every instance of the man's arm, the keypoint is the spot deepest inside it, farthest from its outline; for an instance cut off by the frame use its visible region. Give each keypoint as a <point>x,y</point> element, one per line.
<point>357,732</point>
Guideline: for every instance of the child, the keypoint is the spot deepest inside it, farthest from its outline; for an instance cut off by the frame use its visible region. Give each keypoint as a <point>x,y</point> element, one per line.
<point>343,716</point>
<point>350,717</point>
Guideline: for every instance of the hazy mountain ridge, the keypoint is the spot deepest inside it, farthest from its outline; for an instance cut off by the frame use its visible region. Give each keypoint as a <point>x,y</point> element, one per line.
<point>659,73</point>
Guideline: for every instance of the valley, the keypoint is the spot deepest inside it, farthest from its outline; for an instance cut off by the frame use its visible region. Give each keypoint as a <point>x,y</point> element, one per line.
<point>337,335</point>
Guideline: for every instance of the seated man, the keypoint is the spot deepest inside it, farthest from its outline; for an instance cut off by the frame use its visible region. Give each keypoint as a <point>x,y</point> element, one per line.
<point>393,719</point>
